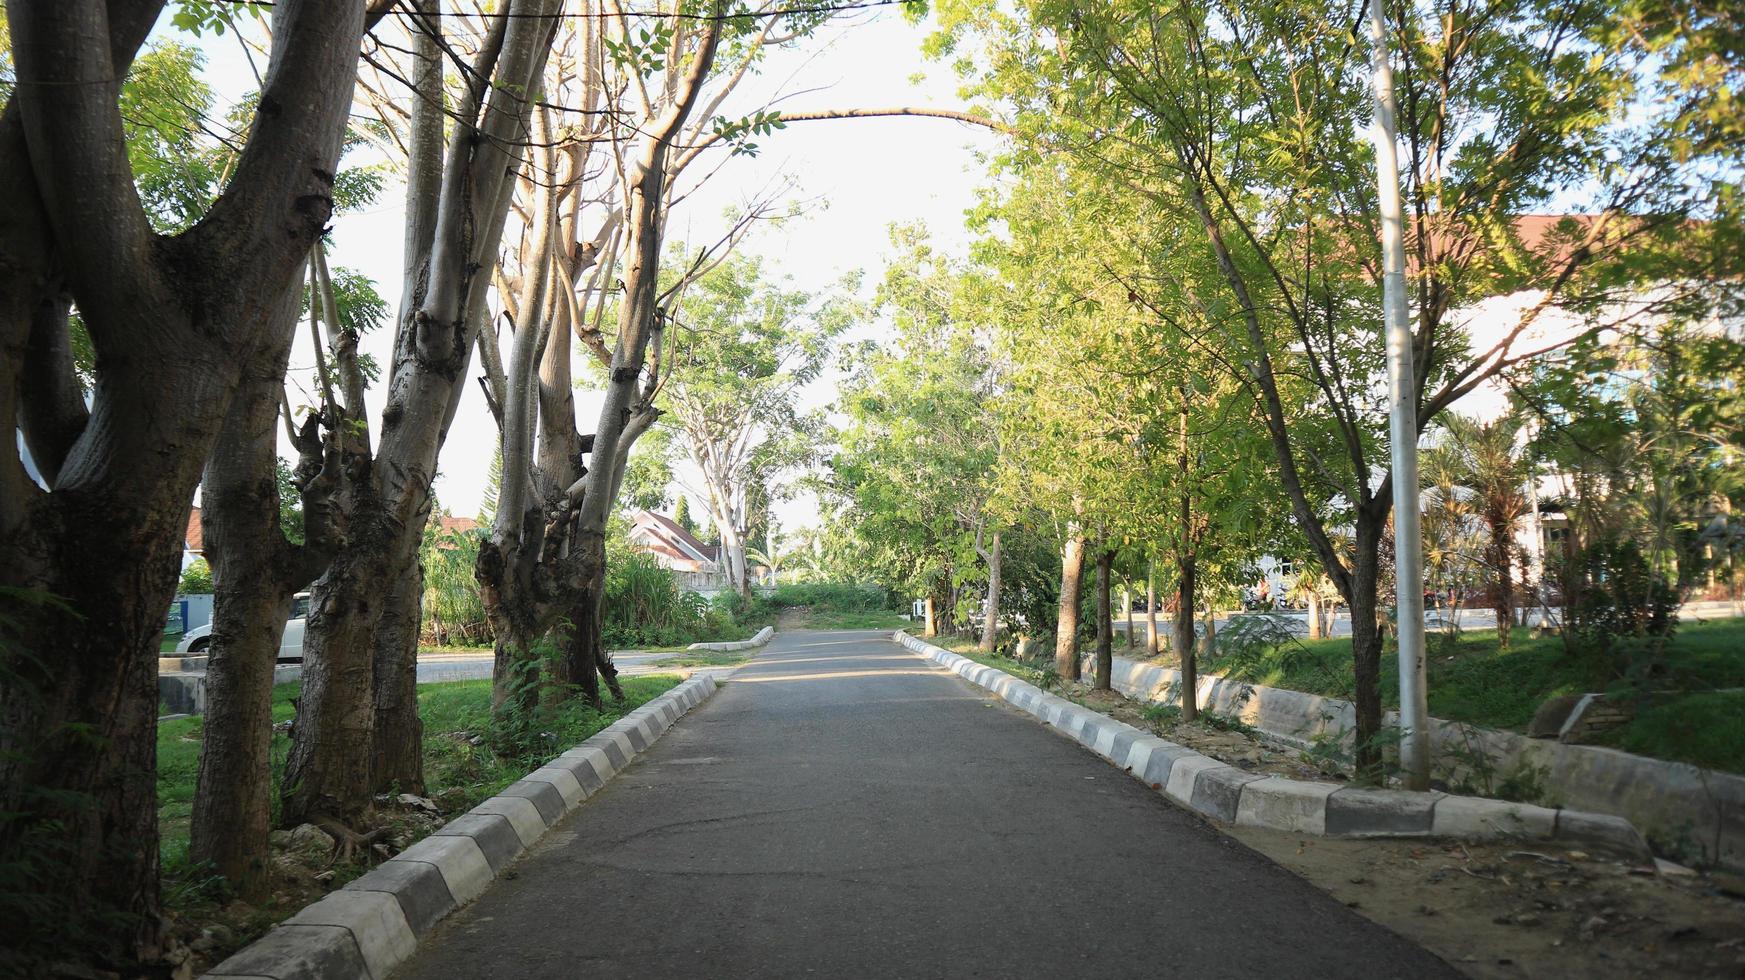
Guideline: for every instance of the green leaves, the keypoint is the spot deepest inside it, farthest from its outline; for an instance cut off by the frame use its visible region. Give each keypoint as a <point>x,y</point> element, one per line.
<point>737,132</point>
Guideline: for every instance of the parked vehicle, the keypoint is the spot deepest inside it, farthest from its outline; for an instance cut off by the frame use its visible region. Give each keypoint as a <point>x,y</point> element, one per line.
<point>199,639</point>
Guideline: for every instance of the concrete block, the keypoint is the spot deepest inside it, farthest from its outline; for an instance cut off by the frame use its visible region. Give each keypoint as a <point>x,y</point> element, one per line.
<point>458,858</point>
<point>1291,805</point>
<point>1185,772</point>
<point>494,834</point>
<point>419,888</point>
<point>1123,744</point>
<point>565,782</point>
<point>298,952</point>
<point>1161,764</point>
<point>376,922</point>
<point>1600,830</point>
<point>615,746</point>
<point>521,814</point>
<point>631,731</point>
<point>589,766</point>
<point>1474,818</point>
<point>543,795</point>
<point>1217,791</point>
<point>1379,813</point>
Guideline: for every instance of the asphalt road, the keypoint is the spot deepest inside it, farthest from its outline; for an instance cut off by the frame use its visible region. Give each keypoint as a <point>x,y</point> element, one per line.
<point>843,809</point>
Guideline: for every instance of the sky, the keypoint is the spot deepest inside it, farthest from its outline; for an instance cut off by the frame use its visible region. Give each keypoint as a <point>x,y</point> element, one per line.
<point>854,178</point>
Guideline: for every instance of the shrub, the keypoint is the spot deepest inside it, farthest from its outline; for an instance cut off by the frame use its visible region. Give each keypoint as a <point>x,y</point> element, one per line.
<point>196,579</point>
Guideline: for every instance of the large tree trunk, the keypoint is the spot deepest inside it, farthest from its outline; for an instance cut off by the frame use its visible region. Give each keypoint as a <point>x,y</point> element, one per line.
<point>1105,622</point>
<point>255,574</point>
<point>1187,573</point>
<point>1315,626</point>
<point>991,624</point>
<point>1072,571</point>
<point>89,564</point>
<point>398,760</point>
<point>328,773</point>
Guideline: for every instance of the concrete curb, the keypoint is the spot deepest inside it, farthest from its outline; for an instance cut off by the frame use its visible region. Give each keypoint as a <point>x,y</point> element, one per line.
<point>1232,795</point>
<point>374,923</point>
<point>762,636</point>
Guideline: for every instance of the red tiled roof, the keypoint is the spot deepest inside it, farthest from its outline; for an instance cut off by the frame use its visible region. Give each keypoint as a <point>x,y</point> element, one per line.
<point>195,539</point>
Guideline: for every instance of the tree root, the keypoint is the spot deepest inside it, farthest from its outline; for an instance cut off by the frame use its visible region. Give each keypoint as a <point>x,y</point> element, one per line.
<point>347,843</point>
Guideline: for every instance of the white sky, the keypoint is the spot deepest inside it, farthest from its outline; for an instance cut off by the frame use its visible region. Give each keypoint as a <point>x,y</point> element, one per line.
<point>856,177</point>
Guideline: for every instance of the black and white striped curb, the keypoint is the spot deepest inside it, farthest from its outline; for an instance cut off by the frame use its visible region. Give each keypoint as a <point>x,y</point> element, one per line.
<point>372,924</point>
<point>758,639</point>
<point>1247,799</point>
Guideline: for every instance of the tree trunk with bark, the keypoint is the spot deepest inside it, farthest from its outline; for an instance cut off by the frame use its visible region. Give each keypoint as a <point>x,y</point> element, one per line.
<point>397,762</point>
<point>1366,645</point>
<point>1187,572</point>
<point>89,557</point>
<point>1500,559</point>
<point>255,572</point>
<point>1105,622</point>
<point>991,624</point>
<point>1153,642</point>
<point>1072,571</point>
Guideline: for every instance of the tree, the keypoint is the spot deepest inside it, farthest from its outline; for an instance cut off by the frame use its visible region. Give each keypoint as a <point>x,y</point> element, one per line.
<point>357,728</point>
<point>1242,128</point>
<point>1487,461</point>
<point>748,348</point>
<point>173,318</point>
<point>682,515</point>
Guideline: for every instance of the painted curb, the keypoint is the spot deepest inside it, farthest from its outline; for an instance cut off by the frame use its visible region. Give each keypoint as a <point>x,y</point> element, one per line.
<point>373,924</point>
<point>759,639</point>
<point>1229,794</point>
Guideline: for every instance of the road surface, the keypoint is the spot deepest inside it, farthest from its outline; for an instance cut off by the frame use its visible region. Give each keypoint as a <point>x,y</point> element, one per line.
<point>841,808</point>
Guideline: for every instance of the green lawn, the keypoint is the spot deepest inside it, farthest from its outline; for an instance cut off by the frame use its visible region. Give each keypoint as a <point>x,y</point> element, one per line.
<point>826,619</point>
<point>1470,680</point>
<point>449,763</point>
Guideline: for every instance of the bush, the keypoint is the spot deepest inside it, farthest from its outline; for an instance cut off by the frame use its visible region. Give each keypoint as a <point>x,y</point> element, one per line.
<point>645,607</point>
<point>836,597</point>
<point>196,579</point>
<point>454,613</point>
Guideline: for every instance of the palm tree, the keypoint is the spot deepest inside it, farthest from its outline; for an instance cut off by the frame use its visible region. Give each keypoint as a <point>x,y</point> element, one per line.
<point>1485,463</point>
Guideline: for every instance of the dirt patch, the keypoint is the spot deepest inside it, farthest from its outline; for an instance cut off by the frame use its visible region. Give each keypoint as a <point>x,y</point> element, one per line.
<point>304,865</point>
<point>1490,909</point>
<point>1498,910</point>
<point>1229,742</point>
<point>793,617</point>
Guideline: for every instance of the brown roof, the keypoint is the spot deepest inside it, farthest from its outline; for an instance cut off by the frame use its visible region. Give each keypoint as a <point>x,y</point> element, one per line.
<point>449,523</point>
<point>673,531</point>
<point>195,539</point>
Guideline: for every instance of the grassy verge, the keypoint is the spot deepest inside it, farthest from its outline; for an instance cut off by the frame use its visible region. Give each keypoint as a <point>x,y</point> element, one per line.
<point>1687,719</point>
<point>830,619</point>
<point>707,658</point>
<point>459,774</point>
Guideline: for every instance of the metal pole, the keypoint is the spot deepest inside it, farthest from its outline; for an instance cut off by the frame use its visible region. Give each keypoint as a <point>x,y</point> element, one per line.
<point>1402,422</point>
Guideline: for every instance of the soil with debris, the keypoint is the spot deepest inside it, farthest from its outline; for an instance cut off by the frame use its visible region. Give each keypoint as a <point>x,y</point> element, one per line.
<point>306,863</point>
<point>1498,910</point>
<point>1229,743</point>
<point>1490,909</point>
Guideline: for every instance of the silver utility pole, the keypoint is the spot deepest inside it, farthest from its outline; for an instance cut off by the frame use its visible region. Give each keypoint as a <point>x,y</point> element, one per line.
<point>1402,422</point>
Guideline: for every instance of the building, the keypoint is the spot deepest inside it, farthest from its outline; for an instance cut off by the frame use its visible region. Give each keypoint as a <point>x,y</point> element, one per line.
<point>696,566</point>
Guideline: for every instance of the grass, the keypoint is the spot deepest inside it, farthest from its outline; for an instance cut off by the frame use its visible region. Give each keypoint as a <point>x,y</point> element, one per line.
<point>1470,680</point>
<point>830,619</point>
<point>707,658</point>
<point>463,773</point>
